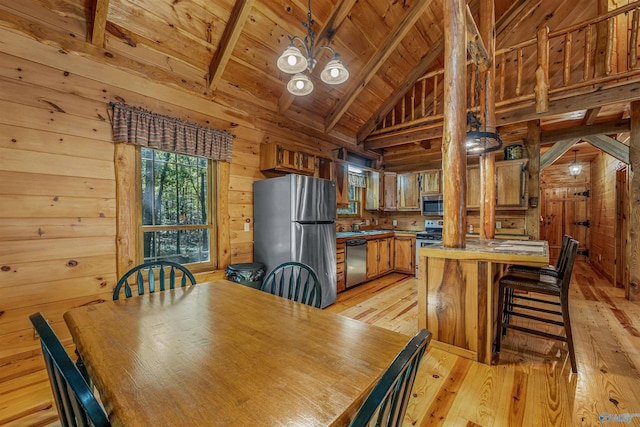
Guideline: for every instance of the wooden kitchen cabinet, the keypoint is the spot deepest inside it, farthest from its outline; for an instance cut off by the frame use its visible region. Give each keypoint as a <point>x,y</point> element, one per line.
<point>408,192</point>
<point>342,183</point>
<point>278,157</point>
<point>390,185</point>
<point>373,193</point>
<point>378,257</point>
<point>430,182</point>
<point>511,184</point>
<point>473,187</point>
<point>404,254</point>
<point>340,277</point>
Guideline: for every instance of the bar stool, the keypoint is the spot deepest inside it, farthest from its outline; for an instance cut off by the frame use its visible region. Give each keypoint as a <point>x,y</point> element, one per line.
<point>541,284</point>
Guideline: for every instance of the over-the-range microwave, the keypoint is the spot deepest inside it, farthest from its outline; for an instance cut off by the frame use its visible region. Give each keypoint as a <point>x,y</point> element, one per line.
<point>432,205</point>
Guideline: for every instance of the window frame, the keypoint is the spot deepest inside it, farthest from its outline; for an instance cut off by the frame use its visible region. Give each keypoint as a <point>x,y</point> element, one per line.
<point>212,215</point>
<point>358,201</point>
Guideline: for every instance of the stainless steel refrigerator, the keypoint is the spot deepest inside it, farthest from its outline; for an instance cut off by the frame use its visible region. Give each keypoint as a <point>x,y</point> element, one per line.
<point>294,220</point>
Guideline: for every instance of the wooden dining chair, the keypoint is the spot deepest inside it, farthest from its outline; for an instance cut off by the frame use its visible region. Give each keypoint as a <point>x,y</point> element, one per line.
<point>555,287</point>
<point>77,406</point>
<point>294,281</point>
<point>387,402</point>
<point>144,277</point>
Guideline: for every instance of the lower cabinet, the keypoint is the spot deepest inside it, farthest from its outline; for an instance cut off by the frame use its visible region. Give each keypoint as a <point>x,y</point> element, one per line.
<point>404,253</point>
<point>340,282</point>
<point>378,257</point>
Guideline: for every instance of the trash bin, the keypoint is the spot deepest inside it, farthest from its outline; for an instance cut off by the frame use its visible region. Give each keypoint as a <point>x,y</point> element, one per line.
<point>248,274</point>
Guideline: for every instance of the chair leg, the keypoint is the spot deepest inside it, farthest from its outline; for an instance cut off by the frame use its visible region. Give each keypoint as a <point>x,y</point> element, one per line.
<point>569,335</point>
<point>499,320</point>
<point>508,306</point>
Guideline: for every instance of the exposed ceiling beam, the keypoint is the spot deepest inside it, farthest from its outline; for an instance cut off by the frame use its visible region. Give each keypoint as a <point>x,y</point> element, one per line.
<point>339,14</point>
<point>409,136</point>
<point>382,54</point>
<point>230,37</point>
<point>610,146</point>
<point>99,22</point>
<point>418,71</point>
<point>590,116</point>
<point>555,152</point>
<point>615,126</point>
<point>475,45</point>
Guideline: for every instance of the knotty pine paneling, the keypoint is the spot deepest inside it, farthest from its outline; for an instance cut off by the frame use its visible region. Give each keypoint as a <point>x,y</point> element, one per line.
<point>603,214</point>
<point>58,194</point>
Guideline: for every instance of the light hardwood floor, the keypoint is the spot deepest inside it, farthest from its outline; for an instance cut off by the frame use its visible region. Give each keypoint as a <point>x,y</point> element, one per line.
<point>532,384</point>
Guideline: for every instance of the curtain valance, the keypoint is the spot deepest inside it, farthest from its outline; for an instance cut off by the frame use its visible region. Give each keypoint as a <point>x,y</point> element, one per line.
<point>357,180</point>
<point>141,127</point>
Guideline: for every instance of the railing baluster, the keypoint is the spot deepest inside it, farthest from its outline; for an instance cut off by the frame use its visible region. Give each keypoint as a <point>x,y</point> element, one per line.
<point>520,60</point>
<point>542,71</point>
<point>587,53</point>
<point>633,42</point>
<point>611,28</point>
<point>435,95</point>
<point>423,98</point>
<point>567,59</point>
<point>503,75</point>
<point>413,103</point>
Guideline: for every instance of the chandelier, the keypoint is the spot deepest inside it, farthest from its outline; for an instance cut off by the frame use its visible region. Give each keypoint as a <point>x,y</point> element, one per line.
<point>575,168</point>
<point>479,141</point>
<point>293,61</point>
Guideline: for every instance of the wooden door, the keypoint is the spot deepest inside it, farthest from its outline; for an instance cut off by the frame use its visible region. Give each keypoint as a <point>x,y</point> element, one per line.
<point>553,225</point>
<point>372,258</point>
<point>566,211</point>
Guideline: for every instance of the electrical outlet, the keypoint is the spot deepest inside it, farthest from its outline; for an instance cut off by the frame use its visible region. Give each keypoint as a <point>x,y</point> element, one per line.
<point>498,224</point>
<point>246,226</point>
<point>367,222</point>
<point>376,222</point>
<point>395,222</point>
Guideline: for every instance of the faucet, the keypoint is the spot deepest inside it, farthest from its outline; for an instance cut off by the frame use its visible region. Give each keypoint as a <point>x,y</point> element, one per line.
<point>355,227</point>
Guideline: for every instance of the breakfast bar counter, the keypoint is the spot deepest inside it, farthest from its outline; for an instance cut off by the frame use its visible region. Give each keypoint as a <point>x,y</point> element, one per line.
<point>457,291</point>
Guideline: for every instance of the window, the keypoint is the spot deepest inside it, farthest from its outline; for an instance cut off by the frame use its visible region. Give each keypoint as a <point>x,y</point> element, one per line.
<point>354,196</point>
<point>177,206</point>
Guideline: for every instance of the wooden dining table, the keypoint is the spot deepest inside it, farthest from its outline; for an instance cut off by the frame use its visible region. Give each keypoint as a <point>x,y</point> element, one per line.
<point>220,353</point>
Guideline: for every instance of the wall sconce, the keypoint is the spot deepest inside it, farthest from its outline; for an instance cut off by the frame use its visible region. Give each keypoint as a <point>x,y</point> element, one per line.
<point>575,168</point>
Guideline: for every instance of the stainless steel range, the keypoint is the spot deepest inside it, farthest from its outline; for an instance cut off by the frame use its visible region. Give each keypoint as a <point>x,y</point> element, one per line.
<point>432,235</point>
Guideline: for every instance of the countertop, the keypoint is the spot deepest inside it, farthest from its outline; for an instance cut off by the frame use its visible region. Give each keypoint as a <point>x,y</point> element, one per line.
<point>534,252</point>
<point>371,234</point>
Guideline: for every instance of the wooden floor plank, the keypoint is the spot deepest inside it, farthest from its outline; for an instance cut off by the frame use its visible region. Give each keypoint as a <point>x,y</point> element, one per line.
<point>532,385</point>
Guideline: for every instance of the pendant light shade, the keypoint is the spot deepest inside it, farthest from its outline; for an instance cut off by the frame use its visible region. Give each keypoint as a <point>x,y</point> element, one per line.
<point>292,61</point>
<point>575,168</point>
<point>334,72</point>
<point>300,85</point>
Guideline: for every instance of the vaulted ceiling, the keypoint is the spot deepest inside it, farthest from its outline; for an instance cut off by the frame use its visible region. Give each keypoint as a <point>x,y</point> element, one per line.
<point>227,49</point>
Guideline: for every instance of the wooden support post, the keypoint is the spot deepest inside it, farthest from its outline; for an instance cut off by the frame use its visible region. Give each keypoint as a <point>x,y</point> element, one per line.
<point>488,107</point>
<point>126,162</point>
<point>454,156</point>
<point>532,145</point>
<point>632,292</point>
<point>222,220</point>
<point>542,71</point>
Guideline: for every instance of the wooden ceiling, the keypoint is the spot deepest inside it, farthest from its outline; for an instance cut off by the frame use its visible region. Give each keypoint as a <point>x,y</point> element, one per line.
<point>227,49</point>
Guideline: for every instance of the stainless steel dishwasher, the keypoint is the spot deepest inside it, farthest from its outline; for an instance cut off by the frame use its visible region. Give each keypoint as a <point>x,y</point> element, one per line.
<point>356,261</point>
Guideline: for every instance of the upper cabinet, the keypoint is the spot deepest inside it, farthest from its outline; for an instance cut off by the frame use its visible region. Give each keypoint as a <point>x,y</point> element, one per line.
<point>341,177</point>
<point>408,192</point>
<point>511,185</point>
<point>429,182</point>
<point>373,196</point>
<point>278,157</point>
<point>390,185</point>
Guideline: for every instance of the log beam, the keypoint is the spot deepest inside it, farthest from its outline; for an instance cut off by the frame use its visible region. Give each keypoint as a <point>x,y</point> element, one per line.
<point>477,48</point>
<point>632,291</point>
<point>612,127</point>
<point>454,157</point>
<point>99,22</point>
<point>610,146</point>
<point>532,145</point>
<point>558,149</point>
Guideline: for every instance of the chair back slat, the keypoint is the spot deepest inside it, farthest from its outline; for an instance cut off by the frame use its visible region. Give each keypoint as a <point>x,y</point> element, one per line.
<point>387,402</point>
<point>146,278</point>
<point>74,399</point>
<point>567,268</point>
<point>294,281</point>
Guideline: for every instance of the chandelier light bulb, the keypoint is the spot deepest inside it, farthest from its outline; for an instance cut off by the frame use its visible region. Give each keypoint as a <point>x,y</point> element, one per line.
<point>299,84</point>
<point>291,60</point>
<point>334,73</point>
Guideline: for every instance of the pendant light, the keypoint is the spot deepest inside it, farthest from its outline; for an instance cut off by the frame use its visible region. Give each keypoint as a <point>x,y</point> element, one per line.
<point>294,61</point>
<point>575,168</point>
<point>479,141</point>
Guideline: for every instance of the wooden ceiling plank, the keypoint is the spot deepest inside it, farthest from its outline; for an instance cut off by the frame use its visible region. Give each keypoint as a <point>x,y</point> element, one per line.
<point>228,41</point>
<point>555,152</point>
<point>99,24</point>
<point>615,126</point>
<point>610,146</point>
<point>338,15</point>
<point>373,65</point>
<point>418,71</point>
<point>475,45</point>
<point>510,20</point>
<point>590,116</point>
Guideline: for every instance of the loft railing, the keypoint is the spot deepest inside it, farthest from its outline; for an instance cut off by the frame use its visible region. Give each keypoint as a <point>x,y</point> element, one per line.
<point>578,58</point>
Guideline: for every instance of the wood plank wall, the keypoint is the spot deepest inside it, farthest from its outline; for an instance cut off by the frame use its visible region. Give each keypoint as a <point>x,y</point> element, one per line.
<point>57,196</point>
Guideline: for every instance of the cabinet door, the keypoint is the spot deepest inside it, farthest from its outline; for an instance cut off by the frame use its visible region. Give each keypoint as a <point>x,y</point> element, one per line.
<point>384,255</point>
<point>390,181</point>
<point>287,159</point>
<point>404,252</point>
<point>306,163</point>
<point>342,184</point>
<point>340,278</point>
<point>372,258</point>
<point>373,191</point>
<point>510,184</point>
<point>473,187</point>
<point>408,192</point>
<point>429,182</point>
